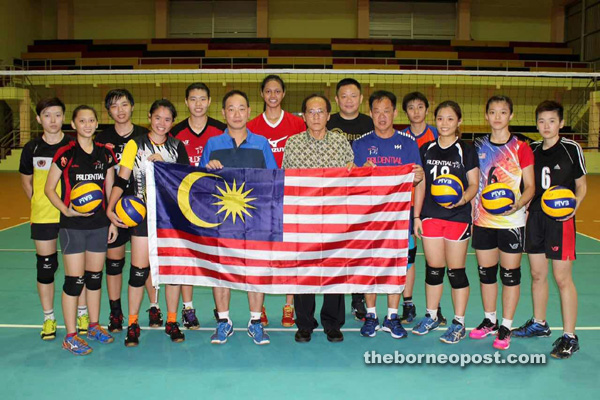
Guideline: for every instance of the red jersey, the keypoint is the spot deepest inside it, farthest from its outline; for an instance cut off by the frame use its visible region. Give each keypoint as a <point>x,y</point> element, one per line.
<point>195,142</point>
<point>278,133</point>
<point>430,134</point>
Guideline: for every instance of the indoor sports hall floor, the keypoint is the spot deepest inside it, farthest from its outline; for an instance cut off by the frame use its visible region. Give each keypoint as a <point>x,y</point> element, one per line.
<point>33,369</point>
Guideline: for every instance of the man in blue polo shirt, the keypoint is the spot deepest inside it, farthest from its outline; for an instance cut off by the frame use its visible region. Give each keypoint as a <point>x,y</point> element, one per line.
<point>237,147</point>
<point>385,146</point>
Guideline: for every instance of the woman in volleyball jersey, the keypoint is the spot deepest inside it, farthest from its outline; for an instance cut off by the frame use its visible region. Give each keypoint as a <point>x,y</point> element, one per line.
<point>35,163</point>
<point>445,231</point>
<point>119,103</point>
<point>83,237</point>
<point>277,126</point>
<point>503,158</point>
<point>157,145</point>
<point>558,161</point>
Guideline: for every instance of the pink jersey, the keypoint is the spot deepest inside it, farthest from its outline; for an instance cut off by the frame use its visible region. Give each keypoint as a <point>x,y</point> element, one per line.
<point>278,133</point>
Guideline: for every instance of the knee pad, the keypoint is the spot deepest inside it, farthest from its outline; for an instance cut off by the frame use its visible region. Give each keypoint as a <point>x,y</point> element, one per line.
<point>412,255</point>
<point>114,267</point>
<point>93,280</point>
<point>138,276</point>
<point>458,278</point>
<point>510,277</point>
<point>46,268</point>
<point>434,276</point>
<point>73,285</point>
<point>488,275</point>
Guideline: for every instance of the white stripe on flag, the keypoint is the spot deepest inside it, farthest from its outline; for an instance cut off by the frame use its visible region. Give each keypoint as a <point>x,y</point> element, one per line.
<point>327,219</point>
<point>311,181</point>
<point>340,201</point>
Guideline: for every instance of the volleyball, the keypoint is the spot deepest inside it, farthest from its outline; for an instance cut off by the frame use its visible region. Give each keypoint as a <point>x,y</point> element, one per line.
<point>130,210</point>
<point>558,202</point>
<point>497,198</point>
<point>446,190</point>
<point>86,197</point>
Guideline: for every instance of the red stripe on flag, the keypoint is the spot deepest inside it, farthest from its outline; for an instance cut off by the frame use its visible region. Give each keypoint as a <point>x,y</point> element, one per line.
<point>355,172</point>
<point>283,280</point>
<point>347,209</point>
<point>316,191</point>
<point>343,228</point>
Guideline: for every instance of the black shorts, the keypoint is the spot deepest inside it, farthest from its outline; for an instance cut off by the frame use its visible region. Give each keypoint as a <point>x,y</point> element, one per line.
<point>141,230</point>
<point>509,240</point>
<point>122,239</point>
<point>44,231</point>
<point>75,241</point>
<point>544,235</point>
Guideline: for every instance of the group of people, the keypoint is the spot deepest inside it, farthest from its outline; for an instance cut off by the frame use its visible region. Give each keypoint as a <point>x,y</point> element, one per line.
<point>115,159</point>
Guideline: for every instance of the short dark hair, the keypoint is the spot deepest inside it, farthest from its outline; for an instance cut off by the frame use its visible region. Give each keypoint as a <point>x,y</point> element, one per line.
<point>412,96</point>
<point>49,102</point>
<point>313,96</point>
<point>270,78</point>
<point>82,108</point>
<point>346,82</point>
<point>116,94</point>
<point>499,99</point>
<point>233,93</point>
<point>163,103</point>
<point>549,105</point>
<point>449,104</point>
<point>380,95</point>
<point>197,86</point>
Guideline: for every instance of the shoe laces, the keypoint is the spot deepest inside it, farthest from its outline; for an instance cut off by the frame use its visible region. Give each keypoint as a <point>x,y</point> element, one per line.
<point>288,312</point>
<point>133,330</point>
<point>486,323</point>
<point>222,327</point>
<point>503,333</point>
<point>370,321</point>
<point>189,314</point>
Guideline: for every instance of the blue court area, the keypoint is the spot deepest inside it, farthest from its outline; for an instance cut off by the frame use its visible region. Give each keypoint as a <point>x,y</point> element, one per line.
<point>33,369</point>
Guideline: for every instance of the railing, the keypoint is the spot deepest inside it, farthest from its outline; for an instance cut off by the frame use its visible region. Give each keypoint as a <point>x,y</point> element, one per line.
<point>9,142</point>
<point>299,62</point>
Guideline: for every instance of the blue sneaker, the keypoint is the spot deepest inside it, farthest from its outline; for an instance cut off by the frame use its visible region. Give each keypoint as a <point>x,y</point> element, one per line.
<point>455,333</point>
<point>258,333</point>
<point>371,326</point>
<point>76,345</point>
<point>531,329</point>
<point>426,325</point>
<point>223,331</point>
<point>394,327</point>
<point>409,313</point>
<point>99,334</point>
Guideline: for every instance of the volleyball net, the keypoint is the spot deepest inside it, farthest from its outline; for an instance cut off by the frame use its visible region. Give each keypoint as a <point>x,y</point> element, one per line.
<point>578,92</point>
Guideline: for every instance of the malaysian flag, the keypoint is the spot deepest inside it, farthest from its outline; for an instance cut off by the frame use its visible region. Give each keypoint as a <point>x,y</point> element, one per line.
<point>280,231</point>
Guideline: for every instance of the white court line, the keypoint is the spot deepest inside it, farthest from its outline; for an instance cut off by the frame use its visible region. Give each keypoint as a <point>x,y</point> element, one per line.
<point>16,326</point>
<point>14,226</point>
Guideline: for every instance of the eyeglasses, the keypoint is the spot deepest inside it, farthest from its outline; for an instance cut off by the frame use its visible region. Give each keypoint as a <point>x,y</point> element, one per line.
<point>318,112</point>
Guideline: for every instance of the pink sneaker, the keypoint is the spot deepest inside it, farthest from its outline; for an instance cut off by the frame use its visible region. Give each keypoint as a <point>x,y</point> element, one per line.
<point>502,341</point>
<point>485,329</point>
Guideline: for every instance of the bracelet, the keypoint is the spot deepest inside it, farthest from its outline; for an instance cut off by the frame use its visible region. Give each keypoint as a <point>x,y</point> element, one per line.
<point>416,217</point>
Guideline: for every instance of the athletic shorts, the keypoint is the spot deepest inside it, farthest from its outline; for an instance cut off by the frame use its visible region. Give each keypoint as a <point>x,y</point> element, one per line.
<point>510,240</point>
<point>75,241</point>
<point>555,239</point>
<point>44,231</point>
<point>122,239</point>
<point>434,228</point>
<point>141,230</point>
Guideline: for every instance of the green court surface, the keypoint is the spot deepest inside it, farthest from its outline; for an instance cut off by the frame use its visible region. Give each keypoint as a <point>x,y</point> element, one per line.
<point>33,369</point>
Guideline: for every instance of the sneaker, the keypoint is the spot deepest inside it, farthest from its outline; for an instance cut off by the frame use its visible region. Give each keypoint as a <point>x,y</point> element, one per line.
<point>409,313</point>
<point>565,346</point>
<point>288,316</point>
<point>455,333</point>
<point>172,330</point>
<point>189,319</point>
<point>257,332</point>
<point>531,329</point>
<point>115,322</point>
<point>502,341</point>
<point>441,318</point>
<point>223,331</point>
<point>426,325</point>
<point>394,327</point>
<point>485,329</point>
<point>99,334</point>
<point>83,323</point>
<point>371,326</point>
<point>359,310</point>
<point>263,317</point>
<point>48,330</point>
<point>154,317</point>
<point>76,345</point>
<point>133,334</point>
